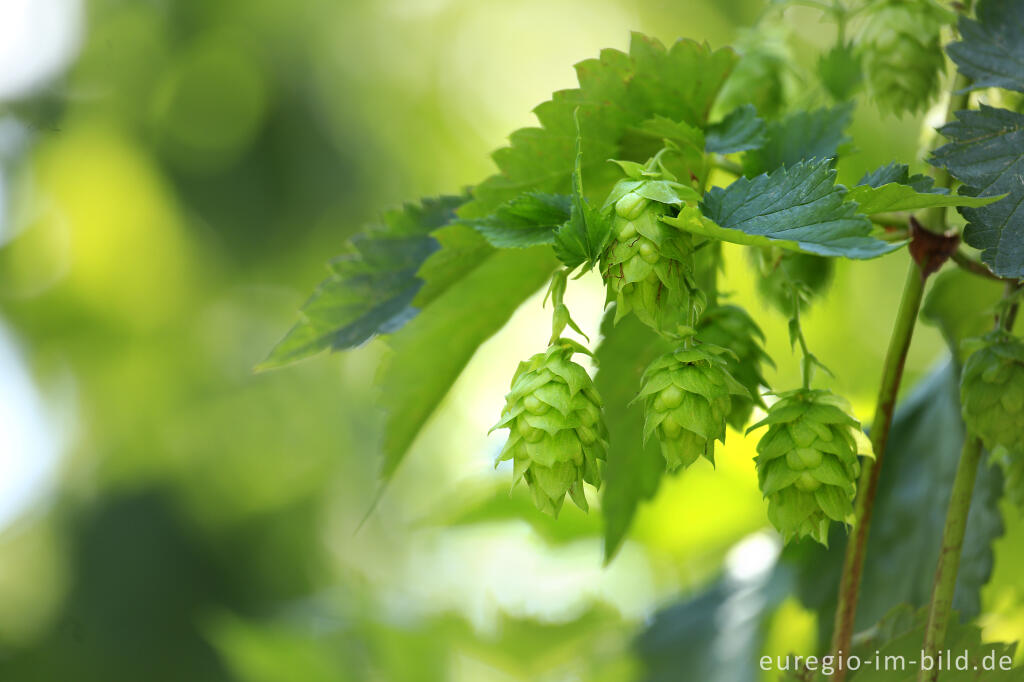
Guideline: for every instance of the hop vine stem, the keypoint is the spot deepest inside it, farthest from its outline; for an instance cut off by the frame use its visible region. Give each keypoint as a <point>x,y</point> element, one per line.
<point>892,373</point>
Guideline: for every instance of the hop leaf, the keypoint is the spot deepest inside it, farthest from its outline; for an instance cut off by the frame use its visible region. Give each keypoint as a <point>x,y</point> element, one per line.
<point>902,54</point>
<point>992,391</point>
<point>557,434</point>
<point>648,266</point>
<point>687,395</point>
<point>807,462</point>
<point>730,327</point>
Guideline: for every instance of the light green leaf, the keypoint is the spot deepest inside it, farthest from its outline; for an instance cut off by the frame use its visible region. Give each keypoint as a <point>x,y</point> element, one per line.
<point>798,208</point>
<point>430,352</point>
<point>895,197</point>
<point>617,92</point>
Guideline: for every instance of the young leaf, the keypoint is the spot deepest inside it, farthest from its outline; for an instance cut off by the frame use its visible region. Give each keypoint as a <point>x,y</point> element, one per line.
<point>584,236</point>
<point>801,136</point>
<point>528,220</point>
<point>991,52</point>
<point>634,468</point>
<point>896,197</point>
<point>372,285</point>
<point>617,92</point>
<point>741,130</point>
<point>840,72</point>
<point>900,173</point>
<point>986,153</point>
<point>430,352</point>
<point>799,208</point>
<point>688,137</point>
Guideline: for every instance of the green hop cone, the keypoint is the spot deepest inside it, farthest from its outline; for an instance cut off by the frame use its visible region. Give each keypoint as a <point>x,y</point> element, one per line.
<point>557,434</point>
<point>780,270</point>
<point>992,390</point>
<point>902,51</point>
<point>807,462</point>
<point>729,326</point>
<point>649,266</point>
<point>687,395</point>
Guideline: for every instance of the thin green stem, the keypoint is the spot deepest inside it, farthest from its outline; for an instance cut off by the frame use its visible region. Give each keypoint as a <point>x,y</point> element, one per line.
<point>949,556</point>
<point>807,364</point>
<point>867,487</point>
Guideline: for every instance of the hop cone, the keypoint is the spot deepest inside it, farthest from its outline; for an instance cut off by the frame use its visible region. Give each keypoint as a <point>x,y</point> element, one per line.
<point>730,327</point>
<point>902,52</point>
<point>807,462</point>
<point>687,396</point>
<point>648,266</point>
<point>992,392</point>
<point>556,431</point>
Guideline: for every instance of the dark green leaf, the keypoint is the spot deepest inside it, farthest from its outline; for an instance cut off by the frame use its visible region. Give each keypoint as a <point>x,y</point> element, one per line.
<point>528,220</point>
<point>741,130</point>
<point>617,92</point>
<point>801,136</point>
<point>900,173</point>
<point>462,250</point>
<point>430,352</point>
<point>991,52</point>
<point>634,469</point>
<point>986,153</point>
<point>910,511</point>
<point>799,208</point>
<point>716,635</point>
<point>372,285</point>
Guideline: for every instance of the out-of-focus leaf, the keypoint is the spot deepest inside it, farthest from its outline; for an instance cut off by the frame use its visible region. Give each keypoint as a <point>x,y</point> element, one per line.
<point>717,634</point>
<point>991,52</point>
<point>910,512</point>
<point>894,197</point>
<point>462,250</point>
<point>430,352</point>
<point>801,136</point>
<point>617,92</point>
<point>840,72</point>
<point>690,138</point>
<point>372,285</point>
<point>799,208</point>
<point>961,305</point>
<point>986,153</point>
<point>634,469</point>
<point>741,130</point>
<point>528,220</point>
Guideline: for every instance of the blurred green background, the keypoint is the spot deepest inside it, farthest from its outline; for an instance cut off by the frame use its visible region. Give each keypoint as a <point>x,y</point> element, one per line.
<point>173,177</point>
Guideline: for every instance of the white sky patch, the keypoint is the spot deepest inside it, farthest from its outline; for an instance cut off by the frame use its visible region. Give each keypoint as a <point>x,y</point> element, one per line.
<point>38,39</point>
<point>29,444</point>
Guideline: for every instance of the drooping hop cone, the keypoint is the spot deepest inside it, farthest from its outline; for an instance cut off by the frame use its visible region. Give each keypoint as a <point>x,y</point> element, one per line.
<point>557,435</point>
<point>730,327</point>
<point>648,267</point>
<point>901,48</point>
<point>807,462</point>
<point>992,391</point>
<point>687,395</point>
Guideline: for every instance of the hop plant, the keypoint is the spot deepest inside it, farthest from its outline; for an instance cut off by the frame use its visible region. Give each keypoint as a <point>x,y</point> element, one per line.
<point>992,391</point>
<point>687,395</point>
<point>807,462</point>
<point>557,437</point>
<point>729,326</point>
<point>902,54</point>
<point>648,266</point>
